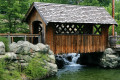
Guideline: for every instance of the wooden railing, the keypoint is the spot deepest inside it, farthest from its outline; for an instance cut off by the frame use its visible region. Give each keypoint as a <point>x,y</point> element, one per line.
<point>11,36</point>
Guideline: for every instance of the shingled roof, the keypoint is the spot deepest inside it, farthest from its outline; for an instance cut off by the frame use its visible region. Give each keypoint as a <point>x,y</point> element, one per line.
<point>65,13</point>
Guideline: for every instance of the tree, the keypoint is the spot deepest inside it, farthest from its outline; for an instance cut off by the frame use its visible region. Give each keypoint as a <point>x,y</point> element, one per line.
<point>13,11</point>
<point>104,2</point>
<point>11,15</point>
<point>117,15</point>
<point>90,3</point>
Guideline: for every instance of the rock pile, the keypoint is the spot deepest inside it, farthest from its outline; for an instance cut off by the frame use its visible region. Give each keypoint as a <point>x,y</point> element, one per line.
<point>23,51</point>
<point>110,59</point>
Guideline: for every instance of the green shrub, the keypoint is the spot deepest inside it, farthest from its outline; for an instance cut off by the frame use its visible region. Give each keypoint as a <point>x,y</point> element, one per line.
<point>16,39</point>
<point>6,42</point>
<point>36,69</point>
<point>2,70</point>
<point>118,42</point>
<point>14,75</point>
<point>5,74</point>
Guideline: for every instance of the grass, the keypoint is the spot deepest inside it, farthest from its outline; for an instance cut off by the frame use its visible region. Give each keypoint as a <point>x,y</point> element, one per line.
<point>2,70</point>
<point>36,69</point>
<point>5,74</point>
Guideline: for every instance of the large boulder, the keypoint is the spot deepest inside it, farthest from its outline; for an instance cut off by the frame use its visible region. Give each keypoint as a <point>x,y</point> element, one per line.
<point>51,52</point>
<point>59,61</point>
<point>52,68</point>
<point>109,59</point>
<point>23,47</point>
<point>28,44</point>
<point>10,56</point>
<point>109,51</point>
<point>69,58</point>
<point>13,47</point>
<point>35,48</point>
<point>26,47</point>
<point>2,48</point>
<point>27,58</point>
<point>51,58</point>
<point>43,48</point>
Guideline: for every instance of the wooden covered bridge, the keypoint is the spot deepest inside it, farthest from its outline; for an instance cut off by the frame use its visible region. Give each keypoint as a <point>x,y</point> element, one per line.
<point>70,28</point>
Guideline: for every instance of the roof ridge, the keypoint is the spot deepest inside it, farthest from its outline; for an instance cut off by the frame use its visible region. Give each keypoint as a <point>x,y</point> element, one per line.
<point>69,4</point>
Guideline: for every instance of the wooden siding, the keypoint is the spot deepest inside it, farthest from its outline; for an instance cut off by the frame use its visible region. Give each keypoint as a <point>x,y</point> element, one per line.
<point>49,37</point>
<point>77,43</point>
<point>34,16</point>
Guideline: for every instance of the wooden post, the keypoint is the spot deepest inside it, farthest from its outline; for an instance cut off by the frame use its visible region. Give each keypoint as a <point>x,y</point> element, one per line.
<point>25,37</point>
<point>39,38</point>
<point>9,38</point>
<point>43,35</point>
<point>12,39</point>
<point>113,15</point>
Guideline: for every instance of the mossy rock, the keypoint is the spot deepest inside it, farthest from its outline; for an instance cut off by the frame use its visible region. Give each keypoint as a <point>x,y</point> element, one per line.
<point>27,58</point>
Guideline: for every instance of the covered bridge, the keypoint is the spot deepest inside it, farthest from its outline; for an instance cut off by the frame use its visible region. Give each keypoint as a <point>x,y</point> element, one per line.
<point>70,28</point>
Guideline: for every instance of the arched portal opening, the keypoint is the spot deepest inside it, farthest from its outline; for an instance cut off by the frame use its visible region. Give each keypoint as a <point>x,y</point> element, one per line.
<point>37,29</point>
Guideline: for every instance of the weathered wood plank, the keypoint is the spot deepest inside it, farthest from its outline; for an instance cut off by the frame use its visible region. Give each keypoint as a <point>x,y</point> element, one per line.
<point>80,43</point>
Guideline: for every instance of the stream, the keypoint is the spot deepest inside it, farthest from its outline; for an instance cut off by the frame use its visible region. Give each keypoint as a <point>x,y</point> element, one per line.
<point>73,71</point>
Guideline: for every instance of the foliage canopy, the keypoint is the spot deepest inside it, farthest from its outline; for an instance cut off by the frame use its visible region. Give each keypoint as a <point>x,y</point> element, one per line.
<point>13,11</point>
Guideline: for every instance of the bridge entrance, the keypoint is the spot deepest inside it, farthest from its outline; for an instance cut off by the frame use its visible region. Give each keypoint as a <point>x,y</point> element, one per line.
<point>37,29</point>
